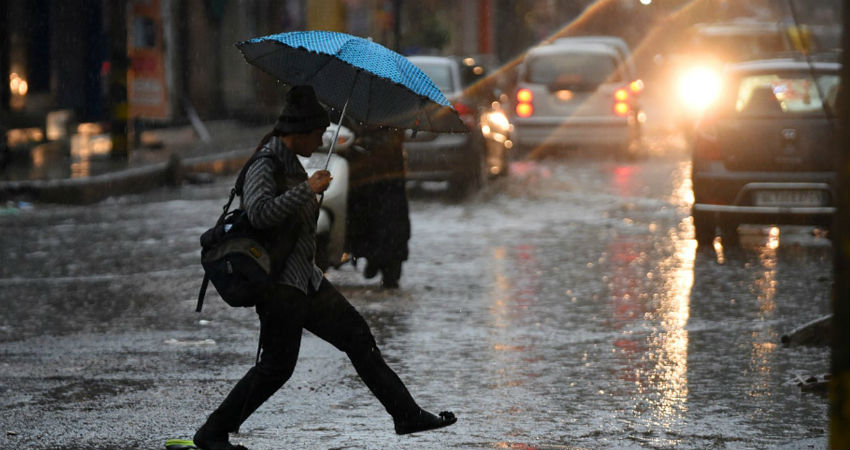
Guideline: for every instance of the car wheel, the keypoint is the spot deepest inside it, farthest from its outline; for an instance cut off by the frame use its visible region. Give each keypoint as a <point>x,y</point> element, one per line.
<point>704,228</point>
<point>729,234</point>
<point>471,176</point>
<point>463,184</point>
<point>623,153</point>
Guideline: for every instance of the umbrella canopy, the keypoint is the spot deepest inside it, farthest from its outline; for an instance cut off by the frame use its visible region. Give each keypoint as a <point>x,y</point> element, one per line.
<point>380,86</point>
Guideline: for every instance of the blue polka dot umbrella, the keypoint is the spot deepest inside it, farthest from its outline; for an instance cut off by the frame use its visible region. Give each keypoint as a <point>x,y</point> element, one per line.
<point>365,80</point>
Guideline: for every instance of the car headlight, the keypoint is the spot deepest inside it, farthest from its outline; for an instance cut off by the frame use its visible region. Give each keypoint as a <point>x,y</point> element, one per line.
<point>500,120</point>
<point>698,87</point>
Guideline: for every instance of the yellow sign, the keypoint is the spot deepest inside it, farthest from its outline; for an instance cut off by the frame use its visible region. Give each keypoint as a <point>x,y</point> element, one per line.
<point>326,15</point>
<point>801,38</point>
<point>147,91</point>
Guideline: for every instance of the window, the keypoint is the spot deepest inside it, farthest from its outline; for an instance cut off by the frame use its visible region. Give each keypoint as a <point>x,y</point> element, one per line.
<point>778,94</point>
<point>573,69</point>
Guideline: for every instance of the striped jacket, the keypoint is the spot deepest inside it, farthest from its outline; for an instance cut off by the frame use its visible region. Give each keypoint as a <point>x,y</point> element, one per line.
<point>266,209</point>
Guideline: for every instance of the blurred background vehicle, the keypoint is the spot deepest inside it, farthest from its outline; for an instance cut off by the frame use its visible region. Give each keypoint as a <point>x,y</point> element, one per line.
<point>618,44</point>
<point>693,68</point>
<point>766,152</point>
<point>458,158</point>
<point>576,93</point>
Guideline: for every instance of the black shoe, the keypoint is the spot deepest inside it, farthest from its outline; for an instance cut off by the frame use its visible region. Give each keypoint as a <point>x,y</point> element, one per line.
<point>206,439</point>
<point>370,271</point>
<point>424,421</point>
<point>390,274</point>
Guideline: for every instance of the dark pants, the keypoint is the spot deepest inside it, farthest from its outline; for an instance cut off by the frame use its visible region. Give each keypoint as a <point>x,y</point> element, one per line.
<point>328,315</point>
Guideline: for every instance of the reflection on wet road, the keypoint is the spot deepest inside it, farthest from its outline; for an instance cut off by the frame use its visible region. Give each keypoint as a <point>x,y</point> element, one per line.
<point>564,307</point>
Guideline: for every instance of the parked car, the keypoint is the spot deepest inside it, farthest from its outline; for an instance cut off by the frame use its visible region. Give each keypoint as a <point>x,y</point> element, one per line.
<point>577,93</point>
<point>766,152</point>
<point>458,158</point>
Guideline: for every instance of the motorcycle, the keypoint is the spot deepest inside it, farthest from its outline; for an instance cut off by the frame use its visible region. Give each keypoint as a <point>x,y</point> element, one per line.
<point>331,232</point>
<point>355,219</point>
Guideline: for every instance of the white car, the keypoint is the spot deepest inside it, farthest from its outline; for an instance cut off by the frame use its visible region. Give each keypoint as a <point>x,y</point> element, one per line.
<point>575,94</point>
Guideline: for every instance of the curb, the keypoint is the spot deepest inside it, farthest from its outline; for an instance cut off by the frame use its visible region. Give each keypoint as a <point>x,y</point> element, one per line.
<point>129,181</point>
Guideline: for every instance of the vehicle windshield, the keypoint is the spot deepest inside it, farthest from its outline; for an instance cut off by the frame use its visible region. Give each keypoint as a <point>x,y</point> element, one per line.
<point>440,74</point>
<point>573,68</point>
<point>739,47</point>
<point>780,94</point>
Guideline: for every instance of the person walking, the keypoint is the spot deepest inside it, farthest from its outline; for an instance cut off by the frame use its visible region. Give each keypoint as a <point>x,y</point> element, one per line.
<point>378,214</point>
<point>302,298</point>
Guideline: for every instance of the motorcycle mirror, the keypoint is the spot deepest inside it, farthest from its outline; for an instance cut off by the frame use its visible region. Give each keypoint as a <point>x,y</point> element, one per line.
<point>343,141</point>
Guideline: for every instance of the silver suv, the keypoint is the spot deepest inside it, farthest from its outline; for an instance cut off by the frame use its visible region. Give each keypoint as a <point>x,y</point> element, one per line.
<point>576,93</point>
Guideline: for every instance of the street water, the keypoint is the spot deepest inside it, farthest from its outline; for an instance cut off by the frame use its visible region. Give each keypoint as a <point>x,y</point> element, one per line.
<point>564,307</point>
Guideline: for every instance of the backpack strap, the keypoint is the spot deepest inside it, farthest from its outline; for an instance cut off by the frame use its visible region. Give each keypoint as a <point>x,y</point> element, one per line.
<point>240,179</point>
<point>202,293</point>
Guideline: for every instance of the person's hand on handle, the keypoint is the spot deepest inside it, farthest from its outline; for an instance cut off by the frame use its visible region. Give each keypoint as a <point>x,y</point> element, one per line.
<point>319,181</point>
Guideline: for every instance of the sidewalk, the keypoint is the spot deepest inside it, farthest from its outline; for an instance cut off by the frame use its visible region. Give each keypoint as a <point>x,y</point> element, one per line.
<point>170,157</point>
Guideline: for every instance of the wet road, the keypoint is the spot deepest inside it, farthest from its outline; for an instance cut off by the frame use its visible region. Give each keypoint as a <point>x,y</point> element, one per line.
<point>564,307</point>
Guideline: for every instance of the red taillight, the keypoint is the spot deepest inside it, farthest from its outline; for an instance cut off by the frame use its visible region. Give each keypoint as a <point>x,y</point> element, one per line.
<point>462,109</point>
<point>524,98</point>
<point>524,109</point>
<point>466,113</point>
<point>622,107</point>
<point>621,95</point>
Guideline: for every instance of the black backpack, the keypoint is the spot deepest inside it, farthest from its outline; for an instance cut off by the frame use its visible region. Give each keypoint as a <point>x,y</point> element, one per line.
<point>240,260</point>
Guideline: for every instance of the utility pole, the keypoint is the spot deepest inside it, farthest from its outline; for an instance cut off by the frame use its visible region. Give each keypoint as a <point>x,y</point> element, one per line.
<point>397,25</point>
<point>5,94</point>
<point>839,384</point>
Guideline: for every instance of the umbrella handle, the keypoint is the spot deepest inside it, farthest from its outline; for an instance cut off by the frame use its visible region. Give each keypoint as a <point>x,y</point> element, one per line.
<point>336,134</point>
<point>333,143</point>
<point>338,127</point>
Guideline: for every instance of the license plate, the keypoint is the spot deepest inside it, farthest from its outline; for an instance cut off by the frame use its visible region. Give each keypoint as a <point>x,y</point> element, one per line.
<point>789,198</point>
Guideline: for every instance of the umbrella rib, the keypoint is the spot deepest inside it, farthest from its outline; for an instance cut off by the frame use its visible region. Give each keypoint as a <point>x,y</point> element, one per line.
<point>327,61</point>
<point>369,97</point>
<point>255,57</point>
